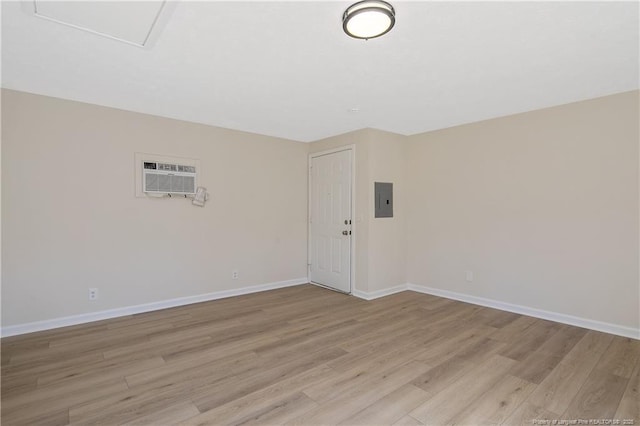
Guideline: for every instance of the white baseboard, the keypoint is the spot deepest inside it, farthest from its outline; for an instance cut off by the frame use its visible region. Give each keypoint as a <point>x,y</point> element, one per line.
<point>379,293</point>
<point>31,327</point>
<point>605,327</point>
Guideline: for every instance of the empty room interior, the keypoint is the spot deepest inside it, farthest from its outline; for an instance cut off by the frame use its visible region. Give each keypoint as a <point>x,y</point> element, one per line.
<point>320,213</point>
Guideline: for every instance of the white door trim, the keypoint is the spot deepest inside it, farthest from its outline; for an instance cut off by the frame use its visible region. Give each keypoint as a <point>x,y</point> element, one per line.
<point>354,229</point>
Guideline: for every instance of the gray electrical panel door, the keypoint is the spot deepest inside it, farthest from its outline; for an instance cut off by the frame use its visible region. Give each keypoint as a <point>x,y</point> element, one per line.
<point>383,199</point>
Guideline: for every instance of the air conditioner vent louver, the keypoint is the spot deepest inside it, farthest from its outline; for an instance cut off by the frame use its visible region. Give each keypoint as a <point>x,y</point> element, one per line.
<point>166,178</point>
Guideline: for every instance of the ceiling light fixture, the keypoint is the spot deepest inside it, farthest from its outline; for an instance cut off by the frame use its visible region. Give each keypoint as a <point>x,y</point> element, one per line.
<point>368,19</point>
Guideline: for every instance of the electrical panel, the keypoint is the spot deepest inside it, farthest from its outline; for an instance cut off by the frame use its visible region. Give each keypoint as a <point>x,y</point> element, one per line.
<point>383,199</point>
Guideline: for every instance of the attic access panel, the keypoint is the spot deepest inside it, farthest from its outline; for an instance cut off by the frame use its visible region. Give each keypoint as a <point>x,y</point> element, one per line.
<point>131,22</point>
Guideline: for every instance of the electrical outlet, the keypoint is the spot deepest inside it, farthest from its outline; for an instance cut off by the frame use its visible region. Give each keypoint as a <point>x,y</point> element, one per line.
<point>234,274</point>
<point>93,294</point>
<point>469,276</point>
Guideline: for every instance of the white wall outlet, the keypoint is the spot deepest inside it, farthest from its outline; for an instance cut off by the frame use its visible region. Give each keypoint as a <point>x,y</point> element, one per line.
<point>234,274</point>
<point>469,276</point>
<point>93,294</point>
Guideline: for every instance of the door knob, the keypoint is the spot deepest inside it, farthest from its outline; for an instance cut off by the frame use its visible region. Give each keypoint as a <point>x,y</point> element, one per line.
<point>345,232</point>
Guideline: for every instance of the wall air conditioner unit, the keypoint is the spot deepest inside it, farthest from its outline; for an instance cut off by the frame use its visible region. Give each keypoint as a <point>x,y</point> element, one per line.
<point>165,178</point>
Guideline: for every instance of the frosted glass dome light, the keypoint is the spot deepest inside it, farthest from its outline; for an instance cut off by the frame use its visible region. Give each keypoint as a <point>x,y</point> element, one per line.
<point>368,19</point>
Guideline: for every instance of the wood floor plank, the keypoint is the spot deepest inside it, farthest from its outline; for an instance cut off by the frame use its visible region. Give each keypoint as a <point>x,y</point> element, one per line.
<point>390,302</point>
<point>58,417</point>
<point>10,347</point>
<point>302,338</point>
<point>167,316</point>
<point>562,342</point>
<point>99,371</point>
<point>536,367</point>
<point>46,335</point>
<point>598,397</point>
<point>480,351</point>
<point>438,378</point>
<point>301,329</point>
<point>131,331</point>
<point>445,405</point>
<point>375,369</point>
<point>192,368</point>
<point>16,385</point>
<point>529,414</point>
<point>280,412</point>
<point>379,337</point>
<point>511,332</point>
<point>130,404</point>
<point>331,338</point>
<point>558,389</point>
<point>178,343</point>
<point>497,404</point>
<point>379,346</point>
<point>222,347</point>
<point>169,415</point>
<point>430,302</point>
<point>448,346</point>
<point>43,365</point>
<point>5,357</point>
<point>257,401</point>
<point>237,387</point>
<point>531,339</point>
<point>345,405</point>
<point>29,407</point>
<point>408,421</point>
<point>620,357</point>
<point>143,405</point>
<point>307,355</point>
<point>389,408</point>
<point>199,327</point>
<point>629,407</point>
<point>460,315</point>
<point>497,319</point>
<point>60,353</point>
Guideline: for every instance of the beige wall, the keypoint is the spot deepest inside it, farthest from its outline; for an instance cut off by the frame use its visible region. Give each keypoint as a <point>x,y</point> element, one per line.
<point>388,236</point>
<point>71,221</point>
<point>541,206</point>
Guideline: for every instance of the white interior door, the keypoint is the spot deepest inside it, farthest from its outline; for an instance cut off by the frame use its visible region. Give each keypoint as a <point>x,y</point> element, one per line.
<point>330,220</point>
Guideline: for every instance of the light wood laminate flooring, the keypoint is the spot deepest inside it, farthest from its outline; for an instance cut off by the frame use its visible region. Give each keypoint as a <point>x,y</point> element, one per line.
<point>309,356</point>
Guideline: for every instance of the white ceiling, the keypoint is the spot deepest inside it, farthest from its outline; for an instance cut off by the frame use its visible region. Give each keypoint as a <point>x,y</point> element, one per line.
<point>286,68</point>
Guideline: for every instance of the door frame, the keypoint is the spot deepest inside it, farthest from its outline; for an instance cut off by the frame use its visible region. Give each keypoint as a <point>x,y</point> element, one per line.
<point>352,260</point>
